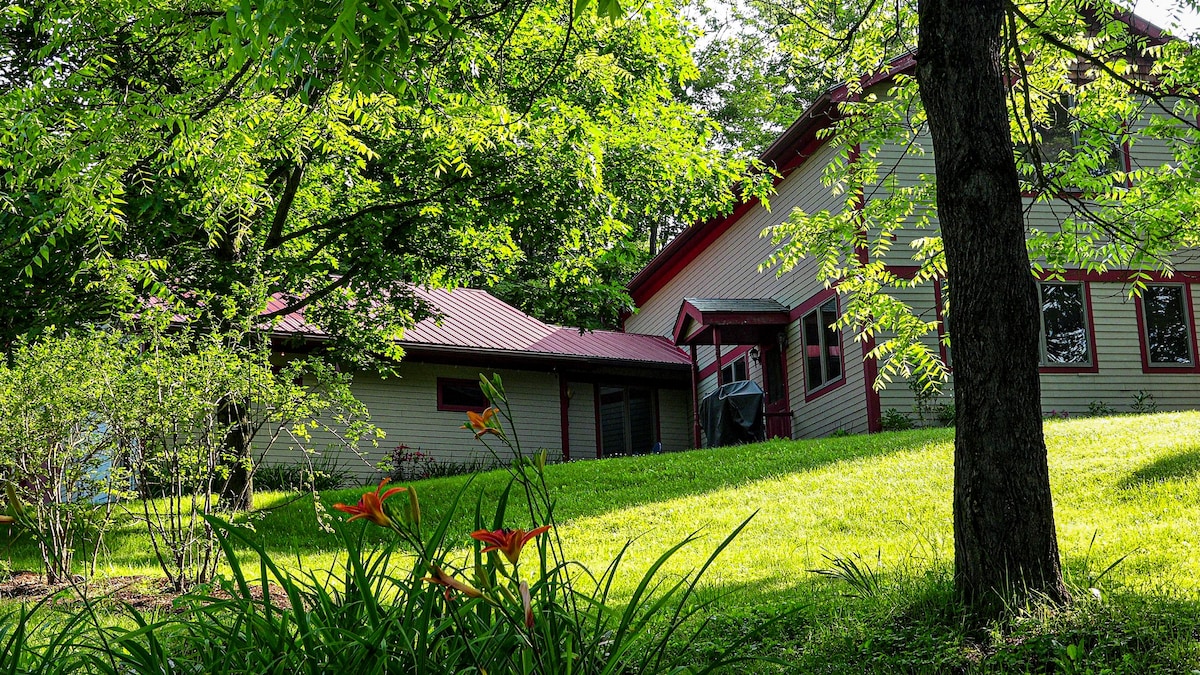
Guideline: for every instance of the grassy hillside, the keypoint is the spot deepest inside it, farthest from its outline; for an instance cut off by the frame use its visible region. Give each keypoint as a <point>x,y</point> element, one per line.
<point>1124,487</point>
<point>873,512</point>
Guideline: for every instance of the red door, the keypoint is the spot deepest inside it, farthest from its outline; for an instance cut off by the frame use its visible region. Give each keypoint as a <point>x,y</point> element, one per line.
<point>775,388</point>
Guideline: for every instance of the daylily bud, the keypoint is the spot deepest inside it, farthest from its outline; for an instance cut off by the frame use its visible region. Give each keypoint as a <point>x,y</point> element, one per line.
<point>414,508</point>
<point>527,603</point>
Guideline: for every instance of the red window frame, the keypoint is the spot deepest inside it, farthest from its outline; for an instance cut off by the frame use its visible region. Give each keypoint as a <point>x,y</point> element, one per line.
<point>1144,339</point>
<point>453,407</point>
<point>807,307</point>
<point>1094,366</point>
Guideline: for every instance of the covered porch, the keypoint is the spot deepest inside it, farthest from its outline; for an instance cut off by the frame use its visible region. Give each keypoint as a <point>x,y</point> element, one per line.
<point>724,323</point>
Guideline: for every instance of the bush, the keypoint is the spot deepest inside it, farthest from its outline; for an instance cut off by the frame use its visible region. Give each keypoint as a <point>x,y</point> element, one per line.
<point>947,415</point>
<point>408,464</point>
<point>1143,403</point>
<point>894,420</point>
<point>58,452</point>
<point>319,473</point>
<point>90,419</point>
<point>517,604</point>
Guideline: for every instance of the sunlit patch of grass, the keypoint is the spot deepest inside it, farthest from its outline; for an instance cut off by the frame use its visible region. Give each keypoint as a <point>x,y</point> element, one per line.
<point>1125,487</point>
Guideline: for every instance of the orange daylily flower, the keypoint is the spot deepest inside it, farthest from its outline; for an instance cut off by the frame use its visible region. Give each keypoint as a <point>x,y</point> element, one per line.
<point>509,542</point>
<point>485,423</point>
<point>370,505</point>
<point>441,578</point>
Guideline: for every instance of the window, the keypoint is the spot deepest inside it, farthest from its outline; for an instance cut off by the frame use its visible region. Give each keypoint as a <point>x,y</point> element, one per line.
<point>627,424</point>
<point>734,371</point>
<point>822,346</point>
<point>1168,326</point>
<point>1065,337</point>
<point>460,395</point>
<point>1061,135</point>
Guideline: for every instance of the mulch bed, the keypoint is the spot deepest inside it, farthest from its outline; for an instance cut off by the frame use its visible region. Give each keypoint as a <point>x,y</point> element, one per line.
<point>143,593</point>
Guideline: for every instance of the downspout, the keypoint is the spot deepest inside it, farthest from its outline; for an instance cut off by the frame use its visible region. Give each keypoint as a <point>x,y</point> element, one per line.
<point>870,365</point>
<point>564,404</point>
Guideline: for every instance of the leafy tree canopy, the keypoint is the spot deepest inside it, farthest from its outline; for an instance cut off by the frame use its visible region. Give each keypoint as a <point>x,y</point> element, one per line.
<point>749,83</point>
<point>1087,79</point>
<point>213,155</point>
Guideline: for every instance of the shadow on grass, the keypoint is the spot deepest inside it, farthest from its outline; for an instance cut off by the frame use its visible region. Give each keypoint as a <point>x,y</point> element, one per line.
<point>1183,466</point>
<point>917,625</point>
<point>580,489</point>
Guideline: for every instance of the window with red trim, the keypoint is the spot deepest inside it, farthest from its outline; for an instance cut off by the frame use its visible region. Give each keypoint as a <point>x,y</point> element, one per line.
<point>460,395</point>
<point>822,346</point>
<point>1066,340</point>
<point>734,371</point>
<point>627,421</point>
<point>1167,326</point>
<point>1062,135</point>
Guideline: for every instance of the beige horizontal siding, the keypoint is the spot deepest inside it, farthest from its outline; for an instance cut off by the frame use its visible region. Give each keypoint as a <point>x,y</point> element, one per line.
<point>841,408</point>
<point>581,413</point>
<point>729,267</point>
<point>1119,377</point>
<point>1146,152</point>
<point>1120,374</point>
<point>405,408</point>
<point>675,419</point>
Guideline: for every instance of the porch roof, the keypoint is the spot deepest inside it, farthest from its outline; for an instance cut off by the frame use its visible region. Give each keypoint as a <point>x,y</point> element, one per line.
<point>729,321</point>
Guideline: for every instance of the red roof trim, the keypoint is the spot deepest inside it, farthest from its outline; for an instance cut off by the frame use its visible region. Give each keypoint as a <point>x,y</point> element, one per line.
<point>800,138</point>
<point>788,152</point>
<point>686,311</point>
<point>792,149</point>
<point>707,320</point>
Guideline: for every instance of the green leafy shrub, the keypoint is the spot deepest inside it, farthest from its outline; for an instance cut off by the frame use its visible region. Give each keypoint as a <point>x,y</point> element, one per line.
<point>1144,403</point>
<point>173,418</point>
<point>318,473</point>
<point>894,420</point>
<point>514,602</point>
<point>947,415</point>
<point>406,463</point>
<point>194,411</point>
<point>58,451</point>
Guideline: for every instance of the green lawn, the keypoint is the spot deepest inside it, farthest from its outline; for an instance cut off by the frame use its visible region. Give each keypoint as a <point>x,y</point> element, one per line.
<point>1126,489</point>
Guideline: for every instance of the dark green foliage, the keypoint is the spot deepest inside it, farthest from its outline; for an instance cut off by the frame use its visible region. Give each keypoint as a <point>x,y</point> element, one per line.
<point>894,420</point>
<point>320,474</point>
<point>408,464</point>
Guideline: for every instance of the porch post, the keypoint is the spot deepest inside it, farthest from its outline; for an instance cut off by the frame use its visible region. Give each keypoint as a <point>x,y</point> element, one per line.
<point>564,415</point>
<point>720,357</point>
<point>695,400</point>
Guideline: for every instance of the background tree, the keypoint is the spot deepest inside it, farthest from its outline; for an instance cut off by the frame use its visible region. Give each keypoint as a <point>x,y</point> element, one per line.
<point>748,82</point>
<point>216,156</point>
<point>989,77</point>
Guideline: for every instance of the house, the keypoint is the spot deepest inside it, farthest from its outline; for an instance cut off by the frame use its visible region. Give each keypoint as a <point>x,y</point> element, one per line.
<point>1101,348</point>
<point>576,394</point>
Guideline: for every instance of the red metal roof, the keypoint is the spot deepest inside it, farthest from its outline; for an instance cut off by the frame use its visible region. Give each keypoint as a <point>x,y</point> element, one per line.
<point>474,319</point>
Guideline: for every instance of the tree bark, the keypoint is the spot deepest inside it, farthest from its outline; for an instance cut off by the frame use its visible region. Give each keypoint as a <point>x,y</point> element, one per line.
<point>238,490</point>
<point>1005,546</point>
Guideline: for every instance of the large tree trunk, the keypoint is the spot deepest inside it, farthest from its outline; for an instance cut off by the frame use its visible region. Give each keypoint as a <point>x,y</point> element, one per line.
<point>1004,540</point>
<point>238,491</point>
